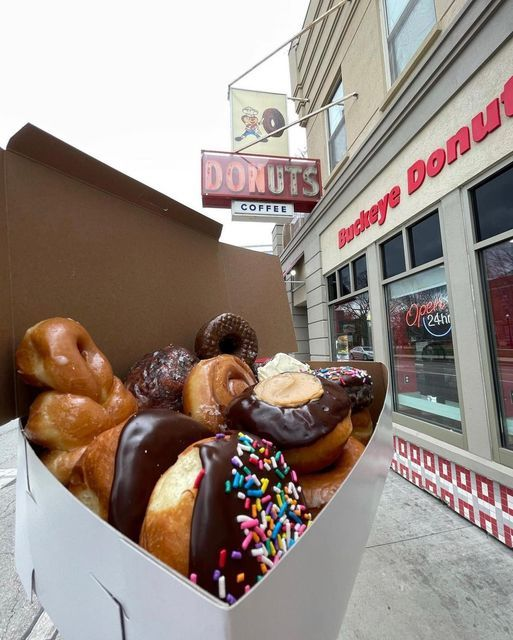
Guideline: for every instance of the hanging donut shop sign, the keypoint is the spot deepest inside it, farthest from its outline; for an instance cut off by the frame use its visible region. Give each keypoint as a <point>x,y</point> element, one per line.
<point>259,188</point>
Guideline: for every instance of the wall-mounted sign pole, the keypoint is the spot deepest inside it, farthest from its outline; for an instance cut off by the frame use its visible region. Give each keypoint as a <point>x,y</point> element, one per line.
<point>298,35</point>
<point>310,115</point>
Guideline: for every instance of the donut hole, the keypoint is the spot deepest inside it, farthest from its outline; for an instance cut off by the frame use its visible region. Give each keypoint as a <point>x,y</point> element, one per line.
<point>230,343</point>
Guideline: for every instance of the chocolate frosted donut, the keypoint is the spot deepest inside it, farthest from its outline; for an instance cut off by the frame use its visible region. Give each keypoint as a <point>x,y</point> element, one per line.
<point>357,383</point>
<point>227,333</point>
<point>148,445</point>
<point>293,426</point>
<point>225,513</point>
<point>157,379</point>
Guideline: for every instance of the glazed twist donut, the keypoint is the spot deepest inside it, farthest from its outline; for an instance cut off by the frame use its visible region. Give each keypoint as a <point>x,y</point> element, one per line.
<point>60,354</point>
<point>227,333</point>
<point>211,386</point>
<point>86,398</point>
<point>64,421</point>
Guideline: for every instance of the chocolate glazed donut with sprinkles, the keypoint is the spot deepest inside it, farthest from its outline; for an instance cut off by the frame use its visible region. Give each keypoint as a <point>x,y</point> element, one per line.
<point>248,512</point>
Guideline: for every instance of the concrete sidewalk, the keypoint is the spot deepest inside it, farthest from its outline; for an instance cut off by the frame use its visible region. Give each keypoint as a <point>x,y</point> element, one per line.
<point>426,573</point>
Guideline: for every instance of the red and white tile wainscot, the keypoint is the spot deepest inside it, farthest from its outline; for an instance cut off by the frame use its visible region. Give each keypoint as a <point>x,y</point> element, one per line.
<point>486,503</point>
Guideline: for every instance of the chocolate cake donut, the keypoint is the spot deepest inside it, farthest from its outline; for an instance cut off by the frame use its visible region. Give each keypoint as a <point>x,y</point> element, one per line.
<point>227,333</point>
<point>157,379</point>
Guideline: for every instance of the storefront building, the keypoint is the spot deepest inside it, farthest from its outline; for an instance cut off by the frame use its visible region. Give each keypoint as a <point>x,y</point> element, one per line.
<point>408,257</point>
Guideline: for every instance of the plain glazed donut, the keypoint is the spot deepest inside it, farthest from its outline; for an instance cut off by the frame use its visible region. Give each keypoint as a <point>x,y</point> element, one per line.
<point>211,385</point>
<point>227,333</point>
<point>272,119</point>
<point>320,487</point>
<point>199,519</point>
<point>308,417</point>
<point>60,354</point>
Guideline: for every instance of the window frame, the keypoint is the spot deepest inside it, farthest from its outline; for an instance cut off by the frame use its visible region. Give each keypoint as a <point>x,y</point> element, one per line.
<point>347,297</point>
<point>331,136</point>
<point>444,434</point>
<point>390,36</point>
<point>500,454</point>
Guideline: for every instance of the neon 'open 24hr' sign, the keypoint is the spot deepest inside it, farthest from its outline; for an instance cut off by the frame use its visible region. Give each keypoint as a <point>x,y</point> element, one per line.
<point>433,315</point>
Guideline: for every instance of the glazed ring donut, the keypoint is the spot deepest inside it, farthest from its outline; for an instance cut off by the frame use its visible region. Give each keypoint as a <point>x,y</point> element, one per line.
<point>308,417</point>
<point>272,119</point>
<point>211,385</point>
<point>227,333</point>
<point>320,487</point>
<point>60,354</point>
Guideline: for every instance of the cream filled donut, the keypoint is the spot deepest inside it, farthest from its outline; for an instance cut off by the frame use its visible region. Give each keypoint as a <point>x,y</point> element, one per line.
<point>306,416</point>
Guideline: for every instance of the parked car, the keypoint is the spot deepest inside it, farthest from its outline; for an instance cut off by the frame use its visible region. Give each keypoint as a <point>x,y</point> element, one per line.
<point>361,353</point>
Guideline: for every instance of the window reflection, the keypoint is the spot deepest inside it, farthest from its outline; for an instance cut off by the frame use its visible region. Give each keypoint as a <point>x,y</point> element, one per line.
<point>422,351</point>
<point>351,329</point>
<point>498,272</point>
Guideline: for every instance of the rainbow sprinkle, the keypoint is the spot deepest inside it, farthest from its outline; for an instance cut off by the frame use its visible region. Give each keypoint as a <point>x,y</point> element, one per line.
<point>271,518</point>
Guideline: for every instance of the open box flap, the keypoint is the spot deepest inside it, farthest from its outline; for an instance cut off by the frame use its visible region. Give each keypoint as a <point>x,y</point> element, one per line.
<point>35,144</point>
<point>136,281</point>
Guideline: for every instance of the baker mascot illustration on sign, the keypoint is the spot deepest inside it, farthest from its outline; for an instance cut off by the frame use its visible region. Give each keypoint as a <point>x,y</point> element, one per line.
<point>272,119</point>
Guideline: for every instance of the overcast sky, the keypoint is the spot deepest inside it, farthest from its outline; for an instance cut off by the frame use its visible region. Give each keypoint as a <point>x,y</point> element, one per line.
<point>142,86</point>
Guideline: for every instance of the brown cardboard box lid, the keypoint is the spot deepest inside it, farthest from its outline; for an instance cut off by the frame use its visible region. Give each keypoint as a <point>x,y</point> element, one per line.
<point>138,269</point>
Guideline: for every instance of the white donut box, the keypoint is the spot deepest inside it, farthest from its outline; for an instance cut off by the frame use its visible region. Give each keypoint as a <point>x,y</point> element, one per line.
<point>139,271</point>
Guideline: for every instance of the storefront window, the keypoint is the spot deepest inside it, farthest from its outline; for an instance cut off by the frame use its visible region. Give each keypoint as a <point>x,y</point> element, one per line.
<point>498,276</point>
<point>344,280</point>
<point>351,329</point>
<point>360,273</point>
<point>393,256</point>
<point>425,240</point>
<point>422,355</point>
<point>493,205</point>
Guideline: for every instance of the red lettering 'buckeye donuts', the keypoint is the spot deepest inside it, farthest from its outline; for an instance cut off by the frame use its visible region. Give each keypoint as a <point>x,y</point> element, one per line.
<point>227,333</point>
<point>306,416</point>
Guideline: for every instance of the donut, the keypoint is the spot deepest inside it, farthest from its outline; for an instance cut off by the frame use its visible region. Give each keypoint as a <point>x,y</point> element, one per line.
<point>308,417</point>
<point>320,487</point>
<point>91,478</point>
<point>148,445</point>
<point>357,383</point>
<point>61,463</point>
<point>65,421</point>
<point>272,119</point>
<point>119,469</point>
<point>84,397</point>
<point>157,379</point>
<point>362,425</point>
<point>227,333</point>
<point>211,386</point>
<point>59,354</point>
<point>220,526</point>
